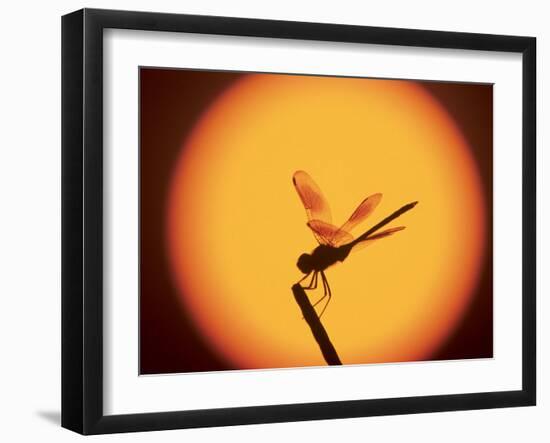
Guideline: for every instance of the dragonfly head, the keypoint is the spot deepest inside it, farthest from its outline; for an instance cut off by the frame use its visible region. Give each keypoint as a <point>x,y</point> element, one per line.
<point>305,263</point>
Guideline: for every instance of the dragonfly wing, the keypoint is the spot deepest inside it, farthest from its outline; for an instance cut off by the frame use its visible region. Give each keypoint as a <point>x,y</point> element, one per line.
<point>365,208</point>
<point>328,234</point>
<point>341,237</point>
<point>312,198</point>
<point>369,240</point>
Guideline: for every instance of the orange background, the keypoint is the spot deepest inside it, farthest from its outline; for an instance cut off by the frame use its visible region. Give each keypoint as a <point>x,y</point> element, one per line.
<point>232,225</point>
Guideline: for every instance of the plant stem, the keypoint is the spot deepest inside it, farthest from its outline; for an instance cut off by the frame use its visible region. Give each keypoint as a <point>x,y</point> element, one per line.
<point>317,329</point>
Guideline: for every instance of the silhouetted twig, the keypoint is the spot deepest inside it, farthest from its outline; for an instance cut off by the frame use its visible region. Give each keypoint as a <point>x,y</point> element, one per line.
<point>317,329</point>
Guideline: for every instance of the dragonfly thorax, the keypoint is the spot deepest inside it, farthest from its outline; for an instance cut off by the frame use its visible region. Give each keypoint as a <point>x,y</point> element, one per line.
<point>321,258</point>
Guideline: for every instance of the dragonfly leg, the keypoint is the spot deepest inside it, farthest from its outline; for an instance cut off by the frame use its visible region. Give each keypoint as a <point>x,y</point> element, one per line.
<point>325,292</point>
<point>304,277</point>
<point>328,292</point>
<point>313,282</point>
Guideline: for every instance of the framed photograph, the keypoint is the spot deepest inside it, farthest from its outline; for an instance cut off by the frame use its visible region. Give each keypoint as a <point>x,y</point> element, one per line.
<point>268,221</point>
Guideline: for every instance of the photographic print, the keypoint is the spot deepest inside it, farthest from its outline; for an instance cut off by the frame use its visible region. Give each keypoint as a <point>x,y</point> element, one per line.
<point>299,220</point>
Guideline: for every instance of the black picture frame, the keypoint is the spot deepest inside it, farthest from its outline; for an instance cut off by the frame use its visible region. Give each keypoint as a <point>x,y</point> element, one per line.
<point>82,221</point>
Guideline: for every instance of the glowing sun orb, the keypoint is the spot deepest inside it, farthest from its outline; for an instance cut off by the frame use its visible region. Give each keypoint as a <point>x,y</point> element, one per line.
<point>236,226</point>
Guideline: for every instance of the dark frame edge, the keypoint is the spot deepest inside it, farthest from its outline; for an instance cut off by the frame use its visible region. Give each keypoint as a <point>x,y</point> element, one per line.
<point>92,196</point>
<point>310,411</point>
<point>72,117</point>
<point>529,235</point>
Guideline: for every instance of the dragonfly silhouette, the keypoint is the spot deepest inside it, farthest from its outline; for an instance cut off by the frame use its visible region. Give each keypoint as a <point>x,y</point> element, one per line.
<point>335,243</point>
